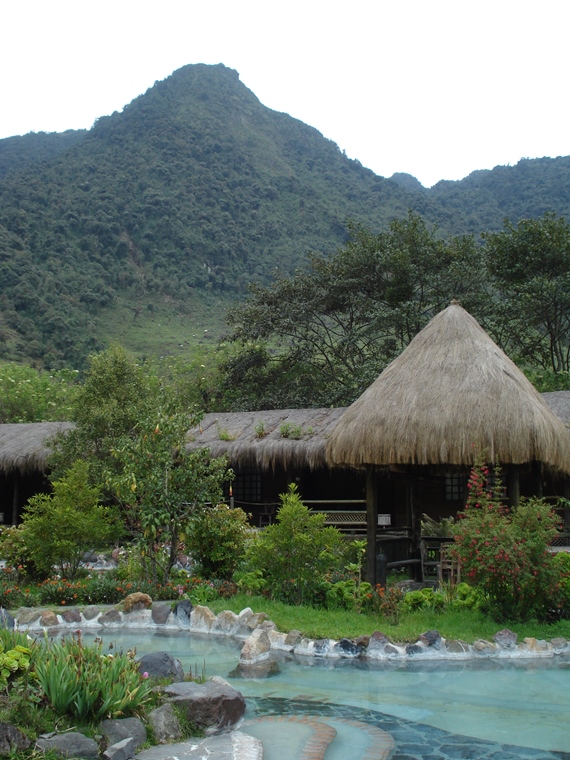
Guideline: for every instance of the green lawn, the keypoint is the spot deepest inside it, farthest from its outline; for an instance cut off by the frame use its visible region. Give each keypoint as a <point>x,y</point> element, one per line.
<point>467,625</point>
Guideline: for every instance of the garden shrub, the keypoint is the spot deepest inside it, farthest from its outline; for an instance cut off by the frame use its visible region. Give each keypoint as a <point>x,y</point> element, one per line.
<point>216,539</point>
<point>504,552</point>
<point>424,599</point>
<point>297,552</point>
<point>464,597</point>
<point>14,551</point>
<point>57,528</point>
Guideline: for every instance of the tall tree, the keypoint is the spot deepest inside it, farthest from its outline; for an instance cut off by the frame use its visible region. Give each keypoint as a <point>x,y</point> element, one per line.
<point>321,336</point>
<point>531,263</point>
<point>160,485</point>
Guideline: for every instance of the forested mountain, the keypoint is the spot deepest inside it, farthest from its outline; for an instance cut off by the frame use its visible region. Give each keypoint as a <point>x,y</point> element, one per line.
<point>17,152</point>
<point>194,188</point>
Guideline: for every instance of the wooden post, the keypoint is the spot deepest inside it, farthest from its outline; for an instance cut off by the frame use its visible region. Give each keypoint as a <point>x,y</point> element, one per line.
<point>537,472</point>
<point>513,485</point>
<point>371,523</point>
<point>15,500</point>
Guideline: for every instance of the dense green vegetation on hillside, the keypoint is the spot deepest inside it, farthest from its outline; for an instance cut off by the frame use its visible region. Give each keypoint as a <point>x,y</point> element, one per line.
<point>194,188</point>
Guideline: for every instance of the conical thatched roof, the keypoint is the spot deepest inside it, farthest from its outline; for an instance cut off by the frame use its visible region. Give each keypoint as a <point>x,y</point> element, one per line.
<point>451,393</point>
<point>23,446</point>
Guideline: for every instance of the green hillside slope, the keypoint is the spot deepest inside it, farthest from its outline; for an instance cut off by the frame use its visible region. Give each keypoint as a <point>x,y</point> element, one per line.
<point>195,189</point>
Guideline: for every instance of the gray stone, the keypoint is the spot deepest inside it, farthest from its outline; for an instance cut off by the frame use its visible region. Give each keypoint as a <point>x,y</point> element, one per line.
<point>431,639</point>
<point>255,670</point>
<point>559,644</point>
<point>456,646</point>
<point>293,638</point>
<point>111,617</point>
<point>71,744</point>
<point>6,620</point>
<point>378,642</point>
<point>161,612</point>
<point>362,641</point>
<point>122,750</point>
<point>91,611</point>
<point>115,730</point>
<point>71,615</point>
<point>390,649</point>
<point>48,619</point>
<point>537,646</point>
<point>322,646</point>
<point>256,620</point>
<point>12,740</point>
<point>413,650</point>
<point>257,647</point>
<point>161,665</point>
<point>347,648</point>
<point>203,619</point>
<point>28,615</point>
<point>165,724</point>
<point>182,612</point>
<point>505,639</point>
<point>231,624</point>
<point>484,647</point>
<point>213,705</point>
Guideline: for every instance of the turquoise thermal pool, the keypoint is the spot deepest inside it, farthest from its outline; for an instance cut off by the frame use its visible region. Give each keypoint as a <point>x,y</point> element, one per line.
<point>520,706</point>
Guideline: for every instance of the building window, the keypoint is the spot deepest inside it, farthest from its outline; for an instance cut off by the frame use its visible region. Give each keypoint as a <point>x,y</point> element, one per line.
<point>454,483</point>
<point>247,487</point>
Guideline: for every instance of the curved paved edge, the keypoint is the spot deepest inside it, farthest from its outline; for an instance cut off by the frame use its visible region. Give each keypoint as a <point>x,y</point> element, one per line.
<point>381,747</point>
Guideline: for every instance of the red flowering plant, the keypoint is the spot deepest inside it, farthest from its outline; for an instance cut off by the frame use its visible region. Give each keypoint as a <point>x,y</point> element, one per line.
<point>504,551</point>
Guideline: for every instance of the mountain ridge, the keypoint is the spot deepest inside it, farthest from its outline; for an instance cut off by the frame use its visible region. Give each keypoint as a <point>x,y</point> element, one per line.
<point>196,187</point>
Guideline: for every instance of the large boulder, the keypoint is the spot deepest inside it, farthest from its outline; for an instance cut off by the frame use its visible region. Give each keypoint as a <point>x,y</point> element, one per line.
<point>71,744</point>
<point>12,740</point>
<point>257,647</point>
<point>161,665</point>
<point>182,612</point>
<point>118,729</point>
<point>214,705</point>
<point>165,724</point>
<point>137,601</point>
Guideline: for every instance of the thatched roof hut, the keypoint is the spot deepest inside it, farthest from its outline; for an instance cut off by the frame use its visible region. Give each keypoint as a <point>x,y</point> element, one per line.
<point>450,394</point>
<point>23,446</point>
<point>265,440</point>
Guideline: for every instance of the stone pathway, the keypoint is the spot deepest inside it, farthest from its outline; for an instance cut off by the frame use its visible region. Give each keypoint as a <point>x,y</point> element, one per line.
<point>233,746</point>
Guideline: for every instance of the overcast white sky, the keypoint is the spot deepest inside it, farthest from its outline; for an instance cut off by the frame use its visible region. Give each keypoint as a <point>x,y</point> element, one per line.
<point>435,88</point>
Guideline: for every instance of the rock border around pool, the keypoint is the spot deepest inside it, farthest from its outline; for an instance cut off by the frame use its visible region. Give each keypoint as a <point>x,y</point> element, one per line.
<point>261,637</point>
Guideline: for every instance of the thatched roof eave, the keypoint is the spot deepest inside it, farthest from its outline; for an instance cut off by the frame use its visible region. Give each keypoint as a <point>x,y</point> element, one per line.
<point>267,440</point>
<point>23,446</point>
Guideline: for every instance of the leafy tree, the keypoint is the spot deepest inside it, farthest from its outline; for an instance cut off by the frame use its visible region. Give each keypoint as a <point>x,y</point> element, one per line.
<point>531,263</point>
<point>59,528</point>
<point>160,485</point>
<point>297,552</point>
<point>113,398</point>
<point>322,336</point>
